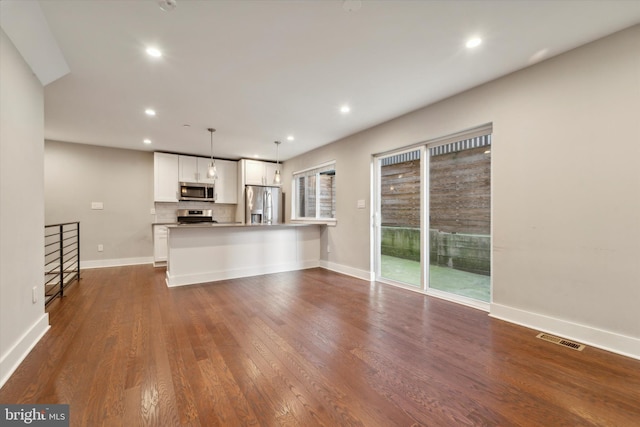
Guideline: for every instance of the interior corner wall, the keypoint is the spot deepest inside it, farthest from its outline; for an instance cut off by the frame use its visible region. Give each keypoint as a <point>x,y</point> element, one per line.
<point>76,175</point>
<point>22,322</point>
<point>565,189</point>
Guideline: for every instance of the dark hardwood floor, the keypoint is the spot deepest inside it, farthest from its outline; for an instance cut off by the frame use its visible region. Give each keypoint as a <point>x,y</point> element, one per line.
<point>306,348</point>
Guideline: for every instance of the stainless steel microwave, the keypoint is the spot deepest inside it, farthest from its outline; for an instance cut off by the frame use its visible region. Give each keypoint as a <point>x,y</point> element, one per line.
<point>197,191</point>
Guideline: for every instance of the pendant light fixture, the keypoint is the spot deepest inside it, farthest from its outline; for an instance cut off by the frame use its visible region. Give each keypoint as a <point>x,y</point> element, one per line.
<point>277,178</point>
<point>212,173</point>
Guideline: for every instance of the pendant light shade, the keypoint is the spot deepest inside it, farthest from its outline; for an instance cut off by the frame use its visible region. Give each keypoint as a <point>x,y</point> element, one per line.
<point>212,172</point>
<point>277,178</point>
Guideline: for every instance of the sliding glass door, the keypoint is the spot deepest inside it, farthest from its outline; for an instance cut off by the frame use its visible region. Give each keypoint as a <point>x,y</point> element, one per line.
<point>398,217</point>
<point>432,223</point>
<point>460,218</point>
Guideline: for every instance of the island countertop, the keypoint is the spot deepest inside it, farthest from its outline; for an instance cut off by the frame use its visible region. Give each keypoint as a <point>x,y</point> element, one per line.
<point>207,252</point>
<point>236,224</point>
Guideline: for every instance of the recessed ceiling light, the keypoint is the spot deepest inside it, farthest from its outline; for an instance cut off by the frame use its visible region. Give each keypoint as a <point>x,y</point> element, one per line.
<point>352,5</point>
<point>290,138</point>
<point>150,112</point>
<point>154,51</point>
<point>146,141</point>
<point>474,42</point>
<point>167,5</point>
<point>256,156</point>
<point>345,109</point>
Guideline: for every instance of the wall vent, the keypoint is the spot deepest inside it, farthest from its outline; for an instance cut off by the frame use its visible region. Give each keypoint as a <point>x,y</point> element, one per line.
<point>561,341</point>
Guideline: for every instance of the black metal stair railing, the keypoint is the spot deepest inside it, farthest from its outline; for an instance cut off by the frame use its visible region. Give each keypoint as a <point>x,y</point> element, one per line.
<point>61,258</point>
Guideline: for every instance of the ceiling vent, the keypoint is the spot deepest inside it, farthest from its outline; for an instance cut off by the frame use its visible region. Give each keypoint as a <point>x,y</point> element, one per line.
<point>561,341</point>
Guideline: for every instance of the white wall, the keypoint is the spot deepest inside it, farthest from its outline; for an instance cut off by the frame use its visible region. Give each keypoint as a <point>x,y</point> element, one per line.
<point>77,175</point>
<point>566,189</point>
<point>22,322</point>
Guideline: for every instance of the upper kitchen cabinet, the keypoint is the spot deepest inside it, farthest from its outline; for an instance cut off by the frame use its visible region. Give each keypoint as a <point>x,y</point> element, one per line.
<point>270,173</point>
<point>259,173</point>
<point>165,177</point>
<point>227,183</point>
<point>194,169</point>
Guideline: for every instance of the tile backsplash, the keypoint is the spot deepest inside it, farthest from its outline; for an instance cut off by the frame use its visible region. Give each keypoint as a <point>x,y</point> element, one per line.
<point>166,212</point>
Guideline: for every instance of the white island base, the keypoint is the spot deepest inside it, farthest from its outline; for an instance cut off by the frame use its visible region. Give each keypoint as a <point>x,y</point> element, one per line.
<point>207,253</point>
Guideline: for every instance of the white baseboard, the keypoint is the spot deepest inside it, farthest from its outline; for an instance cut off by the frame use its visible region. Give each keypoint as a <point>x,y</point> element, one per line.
<point>605,340</point>
<point>101,263</point>
<point>16,354</point>
<point>192,279</point>
<point>369,276</point>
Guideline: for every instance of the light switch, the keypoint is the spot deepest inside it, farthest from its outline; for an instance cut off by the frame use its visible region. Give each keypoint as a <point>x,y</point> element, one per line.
<point>97,205</point>
<point>361,204</point>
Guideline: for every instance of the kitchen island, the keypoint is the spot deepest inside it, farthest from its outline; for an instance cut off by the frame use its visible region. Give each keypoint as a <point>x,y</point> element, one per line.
<point>199,253</point>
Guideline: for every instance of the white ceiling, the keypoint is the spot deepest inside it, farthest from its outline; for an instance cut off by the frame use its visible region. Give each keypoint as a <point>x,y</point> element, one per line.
<point>261,70</point>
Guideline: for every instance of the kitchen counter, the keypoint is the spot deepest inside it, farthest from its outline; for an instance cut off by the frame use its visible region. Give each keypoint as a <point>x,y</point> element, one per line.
<point>206,252</point>
<point>234,224</point>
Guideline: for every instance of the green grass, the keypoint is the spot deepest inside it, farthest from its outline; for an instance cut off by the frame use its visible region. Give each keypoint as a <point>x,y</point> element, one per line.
<point>445,279</point>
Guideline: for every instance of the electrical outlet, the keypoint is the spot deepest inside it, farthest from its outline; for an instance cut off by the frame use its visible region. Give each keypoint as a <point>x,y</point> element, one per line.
<point>100,248</point>
<point>34,294</point>
<point>152,211</point>
<point>97,205</point>
<point>360,204</point>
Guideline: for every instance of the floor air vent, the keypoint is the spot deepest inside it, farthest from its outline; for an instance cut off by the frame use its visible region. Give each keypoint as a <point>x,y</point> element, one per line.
<point>561,341</point>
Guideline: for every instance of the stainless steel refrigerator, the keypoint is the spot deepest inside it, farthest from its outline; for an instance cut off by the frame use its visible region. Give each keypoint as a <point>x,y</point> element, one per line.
<point>263,205</point>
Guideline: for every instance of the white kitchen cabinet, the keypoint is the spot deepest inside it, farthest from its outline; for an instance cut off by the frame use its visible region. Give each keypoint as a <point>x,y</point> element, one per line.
<point>203,167</point>
<point>160,250</point>
<point>270,173</point>
<point>165,177</point>
<point>194,169</point>
<point>259,173</point>
<point>253,172</point>
<point>227,183</point>
<point>188,169</point>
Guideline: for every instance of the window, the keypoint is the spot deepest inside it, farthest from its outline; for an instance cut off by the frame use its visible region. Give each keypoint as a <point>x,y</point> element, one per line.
<point>314,193</point>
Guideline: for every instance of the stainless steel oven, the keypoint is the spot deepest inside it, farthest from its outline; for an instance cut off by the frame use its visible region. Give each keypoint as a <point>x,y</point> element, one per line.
<point>194,216</point>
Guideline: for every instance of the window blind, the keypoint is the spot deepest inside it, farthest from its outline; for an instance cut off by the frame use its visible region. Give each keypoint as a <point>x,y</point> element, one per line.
<point>452,147</point>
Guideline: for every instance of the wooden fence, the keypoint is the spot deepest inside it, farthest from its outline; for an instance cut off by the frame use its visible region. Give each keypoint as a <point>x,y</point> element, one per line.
<point>459,192</point>
<point>400,201</point>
